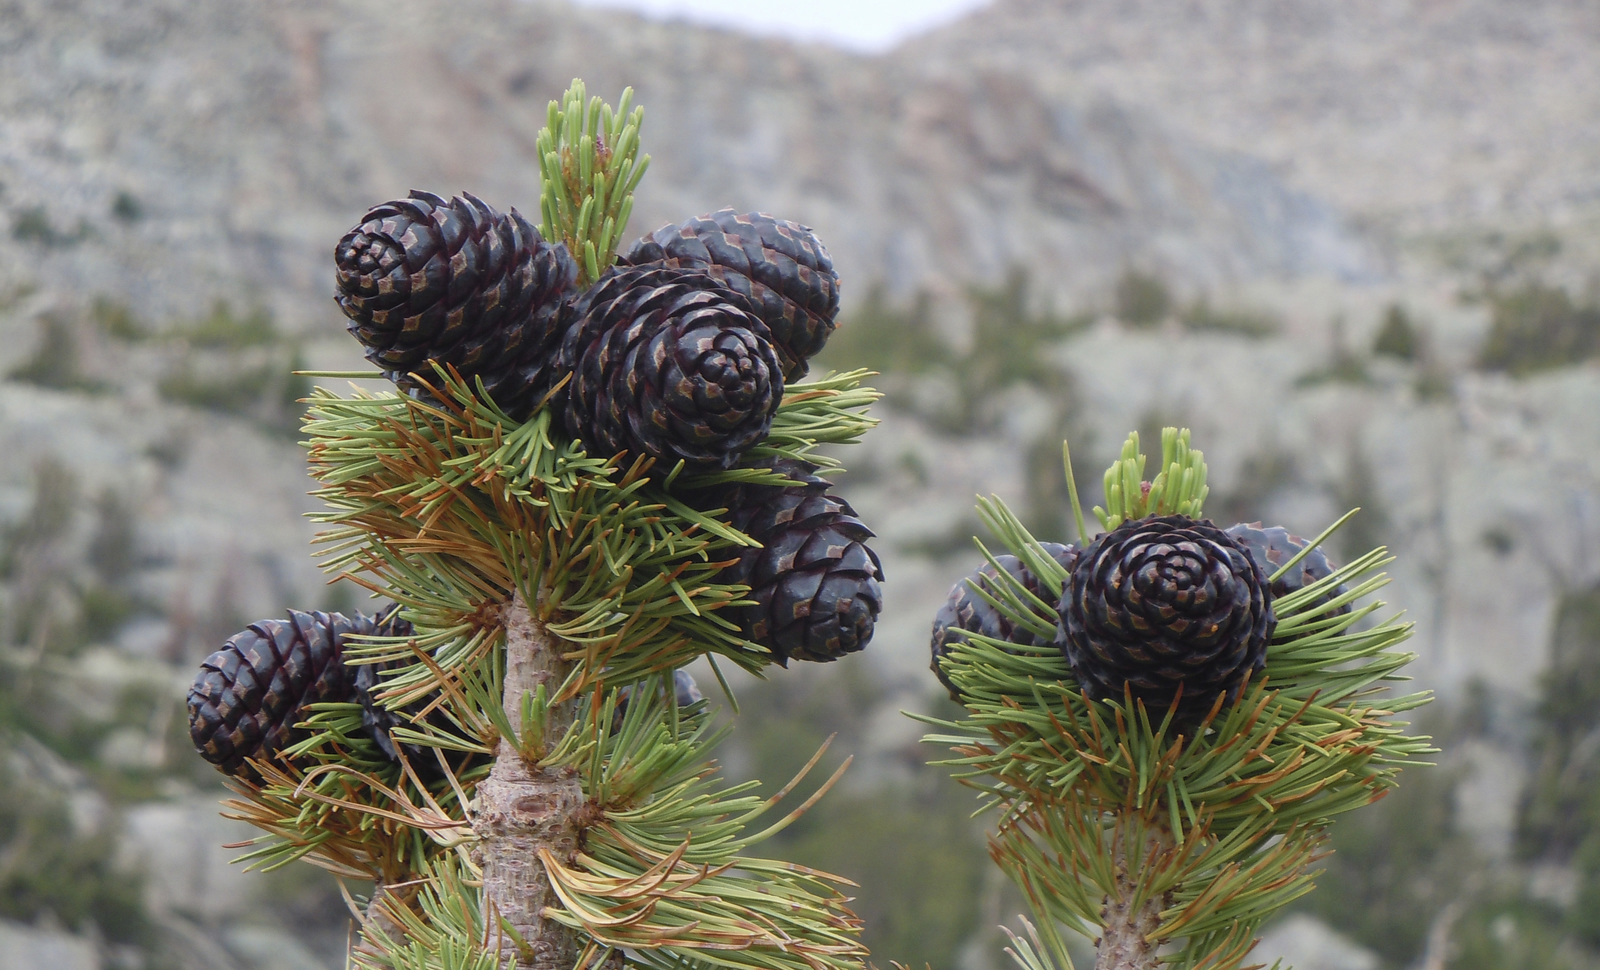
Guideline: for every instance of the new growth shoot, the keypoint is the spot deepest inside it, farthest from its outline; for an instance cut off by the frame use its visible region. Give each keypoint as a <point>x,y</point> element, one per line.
<point>590,162</point>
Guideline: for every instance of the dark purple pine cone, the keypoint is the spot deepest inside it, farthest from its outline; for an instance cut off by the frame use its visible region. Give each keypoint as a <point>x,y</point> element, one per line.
<point>666,363</point>
<point>456,282</point>
<point>814,581</point>
<point>1165,605</point>
<point>249,695</point>
<point>779,266</point>
<point>967,612</point>
<point>1272,547</point>
<point>377,719</point>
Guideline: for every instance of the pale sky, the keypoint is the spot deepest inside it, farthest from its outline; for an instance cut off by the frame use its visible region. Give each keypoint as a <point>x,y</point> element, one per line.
<point>864,25</point>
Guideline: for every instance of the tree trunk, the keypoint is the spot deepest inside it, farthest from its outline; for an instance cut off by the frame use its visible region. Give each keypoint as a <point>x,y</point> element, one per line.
<point>1125,942</point>
<point>522,809</point>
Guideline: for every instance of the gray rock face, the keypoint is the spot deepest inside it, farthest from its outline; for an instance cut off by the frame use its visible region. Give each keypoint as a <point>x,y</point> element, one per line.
<point>27,948</point>
<point>1306,943</point>
<point>178,846</point>
<point>170,153</point>
<point>1419,112</point>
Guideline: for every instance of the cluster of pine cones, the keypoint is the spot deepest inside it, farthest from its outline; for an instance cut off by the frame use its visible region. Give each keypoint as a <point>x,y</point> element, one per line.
<point>1166,609</point>
<point>679,353</point>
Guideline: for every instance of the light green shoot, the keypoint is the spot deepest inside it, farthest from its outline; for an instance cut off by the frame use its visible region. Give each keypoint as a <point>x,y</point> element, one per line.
<point>1179,487</point>
<point>589,164</point>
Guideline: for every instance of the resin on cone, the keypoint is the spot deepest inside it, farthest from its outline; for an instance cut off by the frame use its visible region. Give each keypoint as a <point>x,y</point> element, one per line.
<point>779,266</point>
<point>1167,609</point>
<point>425,280</point>
<point>668,363</point>
<point>814,580</point>
<point>966,611</point>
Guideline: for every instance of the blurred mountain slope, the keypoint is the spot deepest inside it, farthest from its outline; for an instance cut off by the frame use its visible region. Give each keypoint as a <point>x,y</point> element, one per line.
<point>1420,113</point>
<point>170,152</point>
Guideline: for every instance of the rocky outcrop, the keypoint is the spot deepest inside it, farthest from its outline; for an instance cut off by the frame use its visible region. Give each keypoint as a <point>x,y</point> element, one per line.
<point>169,153</point>
<point>1421,113</point>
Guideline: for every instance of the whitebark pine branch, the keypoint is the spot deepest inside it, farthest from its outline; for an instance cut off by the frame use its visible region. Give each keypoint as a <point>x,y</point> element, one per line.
<point>1126,940</point>
<point>522,808</point>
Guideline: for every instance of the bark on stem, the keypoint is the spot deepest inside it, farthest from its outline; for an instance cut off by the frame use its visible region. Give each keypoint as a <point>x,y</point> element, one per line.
<point>1126,940</point>
<point>376,918</point>
<point>522,808</point>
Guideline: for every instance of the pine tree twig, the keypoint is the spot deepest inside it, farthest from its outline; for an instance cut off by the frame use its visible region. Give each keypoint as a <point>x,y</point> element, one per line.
<point>524,811</point>
<point>1127,941</point>
<point>1168,842</point>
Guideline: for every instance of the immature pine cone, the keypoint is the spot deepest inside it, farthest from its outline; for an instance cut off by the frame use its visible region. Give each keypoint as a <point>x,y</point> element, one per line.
<point>1273,546</point>
<point>456,282</point>
<point>666,363</point>
<point>249,695</point>
<point>1165,605</point>
<point>367,681</point>
<point>814,581</point>
<point>778,265</point>
<point>967,612</point>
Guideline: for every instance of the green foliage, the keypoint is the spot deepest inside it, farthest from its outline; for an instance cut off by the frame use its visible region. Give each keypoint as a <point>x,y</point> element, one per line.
<point>453,509</point>
<point>1010,337</point>
<point>1141,299</point>
<point>34,225</point>
<point>1515,933</point>
<point>888,338</point>
<point>1103,800</point>
<point>48,868</point>
<point>116,319</point>
<point>1011,345</point>
<point>1537,326</point>
<point>917,858</point>
<point>912,848</point>
<point>1394,867</point>
<point>1344,365</point>
<point>113,545</point>
<point>1201,317</point>
<point>223,328</point>
<point>56,362</point>
<point>1358,489</point>
<point>1397,337</point>
<point>126,207</point>
<point>1179,487</point>
<point>237,364</point>
<point>1048,508</point>
<point>1262,476</point>
<point>50,513</point>
<point>590,165</point>
<point>1559,819</point>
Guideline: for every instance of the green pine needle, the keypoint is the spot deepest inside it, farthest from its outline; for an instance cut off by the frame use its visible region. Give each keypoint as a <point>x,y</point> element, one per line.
<point>1239,806</point>
<point>589,164</point>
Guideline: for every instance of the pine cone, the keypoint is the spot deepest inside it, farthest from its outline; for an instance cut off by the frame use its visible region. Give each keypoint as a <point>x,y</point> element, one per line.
<point>966,612</point>
<point>249,695</point>
<point>814,581</point>
<point>665,363</point>
<point>377,719</point>
<point>456,282</point>
<point>1169,608</point>
<point>778,265</point>
<point>1272,547</point>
